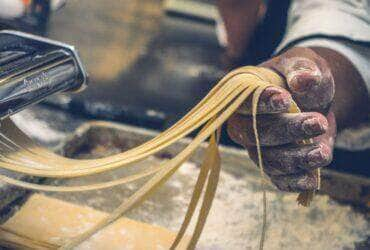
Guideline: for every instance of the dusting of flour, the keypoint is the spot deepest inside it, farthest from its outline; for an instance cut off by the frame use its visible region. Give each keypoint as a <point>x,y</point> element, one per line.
<point>235,218</point>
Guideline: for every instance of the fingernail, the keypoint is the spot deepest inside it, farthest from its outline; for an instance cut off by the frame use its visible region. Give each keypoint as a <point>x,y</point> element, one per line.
<point>315,157</point>
<point>303,81</point>
<point>312,126</point>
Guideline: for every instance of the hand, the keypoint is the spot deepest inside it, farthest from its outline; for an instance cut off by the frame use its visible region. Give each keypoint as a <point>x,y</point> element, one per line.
<point>311,85</point>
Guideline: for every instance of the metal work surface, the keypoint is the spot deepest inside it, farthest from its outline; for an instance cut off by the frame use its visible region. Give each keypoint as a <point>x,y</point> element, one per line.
<point>235,219</point>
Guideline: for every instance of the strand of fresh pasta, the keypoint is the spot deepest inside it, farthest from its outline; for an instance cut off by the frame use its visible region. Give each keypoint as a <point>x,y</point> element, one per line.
<point>256,96</point>
<point>163,175</point>
<point>209,195</point>
<point>150,142</point>
<point>20,154</point>
<point>135,152</point>
<point>198,188</point>
<point>69,173</point>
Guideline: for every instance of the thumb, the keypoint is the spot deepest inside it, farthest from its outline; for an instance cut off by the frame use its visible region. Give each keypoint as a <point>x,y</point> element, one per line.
<point>308,78</point>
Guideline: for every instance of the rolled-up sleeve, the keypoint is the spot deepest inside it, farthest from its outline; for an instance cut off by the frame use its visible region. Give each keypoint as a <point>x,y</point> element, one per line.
<point>349,19</point>
<point>341,25</point>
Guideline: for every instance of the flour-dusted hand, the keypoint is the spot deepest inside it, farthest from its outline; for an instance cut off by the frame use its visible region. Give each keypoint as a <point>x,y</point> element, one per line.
<point>311,85</point>
<point>308,77</point>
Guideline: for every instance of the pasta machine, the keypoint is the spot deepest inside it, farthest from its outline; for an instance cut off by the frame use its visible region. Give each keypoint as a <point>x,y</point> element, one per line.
<point>33,68</point>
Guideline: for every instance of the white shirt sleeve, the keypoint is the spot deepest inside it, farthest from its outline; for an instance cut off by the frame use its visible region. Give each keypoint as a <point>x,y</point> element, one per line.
<point>323,24</point>
<point>341,25</point>
<point>348,19</point>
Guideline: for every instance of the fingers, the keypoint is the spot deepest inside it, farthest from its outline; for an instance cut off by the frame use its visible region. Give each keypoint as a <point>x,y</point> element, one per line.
<point>276,129</point>
<point>308,77</point>
<point>295,182</point>
<point>293,159</point>
<point>272,100</point>
<point>290,167</point>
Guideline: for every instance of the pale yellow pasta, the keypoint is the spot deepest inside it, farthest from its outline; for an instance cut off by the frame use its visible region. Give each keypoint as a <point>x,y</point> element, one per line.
<point>20,154</point>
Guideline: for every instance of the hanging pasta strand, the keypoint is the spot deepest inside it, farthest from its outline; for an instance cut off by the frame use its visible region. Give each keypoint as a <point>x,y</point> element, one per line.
<point>162,176</point>
<point>209,195</point>
<point>19,154</point>
<point>210,157</point>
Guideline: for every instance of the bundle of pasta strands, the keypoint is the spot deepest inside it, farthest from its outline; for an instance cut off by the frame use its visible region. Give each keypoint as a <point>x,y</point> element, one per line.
<point>20,154</point>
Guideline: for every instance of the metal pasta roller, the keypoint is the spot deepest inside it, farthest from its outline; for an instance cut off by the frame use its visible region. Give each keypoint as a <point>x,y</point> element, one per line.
<point>33,67</point>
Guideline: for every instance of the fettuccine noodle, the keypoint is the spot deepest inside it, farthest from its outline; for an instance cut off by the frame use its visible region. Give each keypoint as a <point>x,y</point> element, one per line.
<point>18,153</point>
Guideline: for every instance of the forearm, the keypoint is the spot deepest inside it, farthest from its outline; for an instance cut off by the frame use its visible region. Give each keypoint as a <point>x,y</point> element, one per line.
<point>351,99</point>
<point>240,18</point>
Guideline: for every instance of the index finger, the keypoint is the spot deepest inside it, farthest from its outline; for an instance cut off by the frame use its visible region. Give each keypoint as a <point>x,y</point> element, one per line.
<point>272,100</point>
